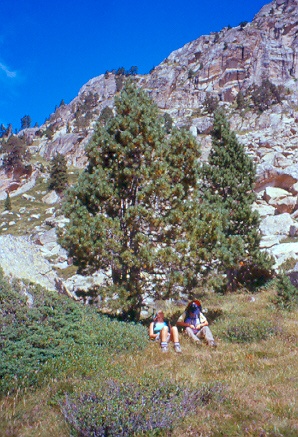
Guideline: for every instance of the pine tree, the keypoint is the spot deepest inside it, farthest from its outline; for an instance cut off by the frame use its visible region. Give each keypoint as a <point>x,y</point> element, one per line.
<point>15,154</point>
<point>26,122</point>
<point>227,183</point>
<point>58,173</point>
<point>128,210</point>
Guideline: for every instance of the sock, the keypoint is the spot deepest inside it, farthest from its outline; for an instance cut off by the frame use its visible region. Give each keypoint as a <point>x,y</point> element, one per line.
<point>177,343</point>
<point>163,344</point>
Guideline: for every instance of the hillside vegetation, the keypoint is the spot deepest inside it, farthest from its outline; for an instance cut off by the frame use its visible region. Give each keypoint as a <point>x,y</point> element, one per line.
<point>66,370</point>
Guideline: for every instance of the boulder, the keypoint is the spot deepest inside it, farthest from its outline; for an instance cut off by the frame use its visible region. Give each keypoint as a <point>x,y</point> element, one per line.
<point>287,204</point>
<point>272,193</point>
<point>284,252</point>
<point>78,286</point>
<point>263,209</point>
<point>51,198</point>
<point>22,259</point>
<point>269,241</point>
<point>293,230</point>
<point>276,225</point>
<point>282,200</point>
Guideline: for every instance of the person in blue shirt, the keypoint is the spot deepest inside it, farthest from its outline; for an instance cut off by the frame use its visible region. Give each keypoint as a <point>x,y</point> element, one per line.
<point>196,324</point>
<point>161,330</point>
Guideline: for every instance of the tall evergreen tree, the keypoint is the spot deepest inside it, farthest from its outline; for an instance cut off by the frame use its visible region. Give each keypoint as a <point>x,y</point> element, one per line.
<point>58,173</point>
<point>128,210</point>
<point>227,183</point>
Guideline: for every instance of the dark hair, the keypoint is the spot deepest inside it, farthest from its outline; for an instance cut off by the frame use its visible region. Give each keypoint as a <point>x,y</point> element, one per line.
<point>194,307</point>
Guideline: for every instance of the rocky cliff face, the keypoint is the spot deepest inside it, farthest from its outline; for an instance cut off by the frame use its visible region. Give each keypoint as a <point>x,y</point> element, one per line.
<point>220,64</point>
<point>230,60</point>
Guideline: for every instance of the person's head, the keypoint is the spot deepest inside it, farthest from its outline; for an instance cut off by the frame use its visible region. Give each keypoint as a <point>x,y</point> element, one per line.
<point>194,307</point>
<point>159,316</point>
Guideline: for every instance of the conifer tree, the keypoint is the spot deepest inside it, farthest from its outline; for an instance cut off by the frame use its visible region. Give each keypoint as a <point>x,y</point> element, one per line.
<point>227,184</point>
<point>58,173</point>
<point>128,210</point>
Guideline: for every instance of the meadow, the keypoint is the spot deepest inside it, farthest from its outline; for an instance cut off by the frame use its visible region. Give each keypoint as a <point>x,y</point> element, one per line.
<point>74,372</point>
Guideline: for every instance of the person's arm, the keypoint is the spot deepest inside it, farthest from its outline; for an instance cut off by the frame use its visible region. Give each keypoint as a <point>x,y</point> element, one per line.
<point>152,336</point>
<point>181,324</point>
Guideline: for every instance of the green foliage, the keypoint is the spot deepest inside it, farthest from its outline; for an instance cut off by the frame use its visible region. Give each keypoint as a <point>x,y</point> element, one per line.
<point>266,94</point>
<point>58,173</point>
<point>127,211</point>
<point>49,132</point>
<point>105,115</point>
<point>120,81</point>
<point>7,203</point>
<point>243,24</point>
<point>84,111</point>
<point>15,153</point>
<point>287,294</point>
<point>240,101</point>
<point>3,131</point>
<point>53,328</point>
<point>247,331</point>
<point>191,74</point>
<point>168,122</point>
<point>227,184</point>
<point>210,103</point>
<point>131,409</point>
<point>26,122</point>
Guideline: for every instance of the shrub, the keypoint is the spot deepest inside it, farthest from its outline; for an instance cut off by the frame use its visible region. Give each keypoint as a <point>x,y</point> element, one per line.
<point>7,203</point>
<point>15,154</point>
<point>266,94</point>
<point>240,101</point>
<point>243,24</point>
<point>210,103</point>
<point>54,327</point>
<point>168,122</point>
<point>247,331</point>
<point>287,294</point>
<point>133,408</point>
<point>105,115</point>
<point>58,173</point>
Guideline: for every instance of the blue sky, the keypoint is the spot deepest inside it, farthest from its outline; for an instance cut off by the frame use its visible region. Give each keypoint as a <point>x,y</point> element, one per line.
<point>50,49</point>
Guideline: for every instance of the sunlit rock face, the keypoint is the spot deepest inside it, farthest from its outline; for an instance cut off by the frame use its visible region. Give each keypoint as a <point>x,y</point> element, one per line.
<point>219,65</point>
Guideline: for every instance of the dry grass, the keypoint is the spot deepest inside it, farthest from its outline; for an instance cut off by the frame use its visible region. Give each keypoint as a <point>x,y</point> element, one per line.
<point>259,379</point>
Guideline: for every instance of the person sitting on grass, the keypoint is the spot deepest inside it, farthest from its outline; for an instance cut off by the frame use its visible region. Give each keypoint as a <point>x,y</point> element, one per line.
<point>162,331</point>
<point>196,324</point>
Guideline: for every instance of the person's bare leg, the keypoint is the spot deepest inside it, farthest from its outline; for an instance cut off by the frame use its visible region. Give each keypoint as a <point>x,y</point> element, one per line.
<point>175,339</point>
<point>164,339</point>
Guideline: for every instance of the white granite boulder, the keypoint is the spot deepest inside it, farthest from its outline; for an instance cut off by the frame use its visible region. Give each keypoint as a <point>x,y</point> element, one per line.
<point>276,225</point>
<point>22,259</point>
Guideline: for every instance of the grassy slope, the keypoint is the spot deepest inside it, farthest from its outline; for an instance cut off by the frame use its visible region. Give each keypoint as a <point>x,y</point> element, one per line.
<point>259,378</point>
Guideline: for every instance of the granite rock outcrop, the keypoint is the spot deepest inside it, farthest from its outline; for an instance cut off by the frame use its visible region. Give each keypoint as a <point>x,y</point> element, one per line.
<point>219,65</point>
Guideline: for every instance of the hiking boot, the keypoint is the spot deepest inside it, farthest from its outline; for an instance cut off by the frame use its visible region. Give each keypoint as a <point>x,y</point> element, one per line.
<point>177,348</point>
<point>164,349</point>
<point>212,344</point>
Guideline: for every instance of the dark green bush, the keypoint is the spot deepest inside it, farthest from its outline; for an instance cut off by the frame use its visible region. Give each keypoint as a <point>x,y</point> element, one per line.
<point>247,331</point>
<point>265,95</point>
<point>287,294</point>
<point>58,173</point>
<point>210,103</point>
<point>53,328</point>
<point>134,408</point>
